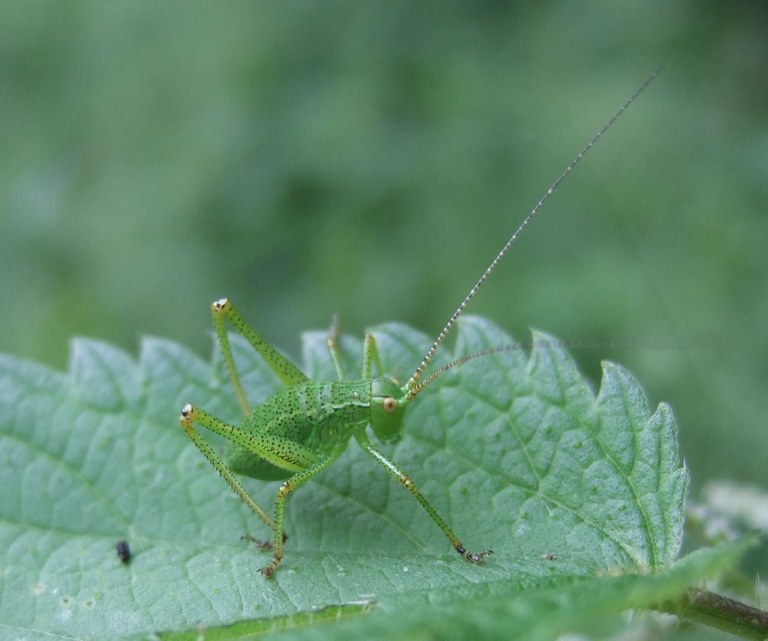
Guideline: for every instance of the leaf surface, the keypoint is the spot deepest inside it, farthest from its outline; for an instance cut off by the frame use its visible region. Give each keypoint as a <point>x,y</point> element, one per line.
<point>515,450</point>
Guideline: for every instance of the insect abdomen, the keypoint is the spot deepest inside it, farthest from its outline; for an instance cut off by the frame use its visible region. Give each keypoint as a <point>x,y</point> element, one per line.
<point>316,415</point>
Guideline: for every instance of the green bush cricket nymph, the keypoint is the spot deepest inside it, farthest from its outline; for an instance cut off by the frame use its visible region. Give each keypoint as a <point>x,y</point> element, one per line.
<point>302,429</point>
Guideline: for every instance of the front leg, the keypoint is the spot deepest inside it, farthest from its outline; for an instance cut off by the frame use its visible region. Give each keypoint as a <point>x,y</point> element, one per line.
<point>409,485</point>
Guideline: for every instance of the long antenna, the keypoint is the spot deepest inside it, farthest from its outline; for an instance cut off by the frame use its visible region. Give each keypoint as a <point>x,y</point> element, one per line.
<point>412,386</point>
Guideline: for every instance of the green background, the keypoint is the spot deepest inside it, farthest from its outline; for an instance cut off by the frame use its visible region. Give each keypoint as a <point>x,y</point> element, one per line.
<point>370,158</point>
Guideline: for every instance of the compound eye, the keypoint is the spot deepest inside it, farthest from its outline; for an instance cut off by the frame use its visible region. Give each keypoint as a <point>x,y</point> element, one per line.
<point>389,404</point>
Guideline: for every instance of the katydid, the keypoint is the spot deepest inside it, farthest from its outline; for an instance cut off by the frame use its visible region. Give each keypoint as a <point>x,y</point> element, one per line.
<point>302,429</point>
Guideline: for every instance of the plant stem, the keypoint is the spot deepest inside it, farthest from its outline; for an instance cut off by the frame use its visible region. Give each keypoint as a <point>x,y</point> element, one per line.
<point>721,612</point>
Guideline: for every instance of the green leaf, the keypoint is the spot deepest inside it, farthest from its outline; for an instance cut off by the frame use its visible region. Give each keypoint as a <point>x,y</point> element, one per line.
<point>515,451</point>
<point>510,609</point>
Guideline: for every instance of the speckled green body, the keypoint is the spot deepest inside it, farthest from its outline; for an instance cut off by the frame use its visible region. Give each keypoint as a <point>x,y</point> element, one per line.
<point>318,416</point>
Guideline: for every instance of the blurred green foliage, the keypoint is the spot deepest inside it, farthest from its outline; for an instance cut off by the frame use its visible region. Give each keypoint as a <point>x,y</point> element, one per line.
<point>369,158</point>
